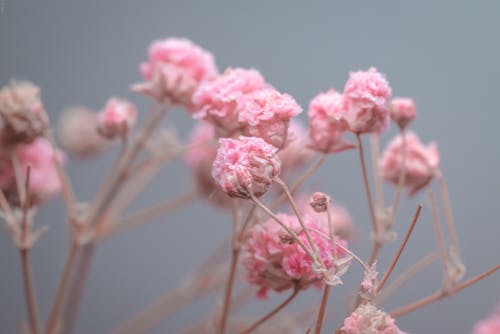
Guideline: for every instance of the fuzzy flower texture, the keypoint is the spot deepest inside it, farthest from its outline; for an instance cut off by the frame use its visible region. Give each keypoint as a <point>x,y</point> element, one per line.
<point>275,261</point>
<point>368,319</point>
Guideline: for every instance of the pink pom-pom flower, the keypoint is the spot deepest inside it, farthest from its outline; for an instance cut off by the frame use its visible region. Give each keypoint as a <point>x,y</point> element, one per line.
<point>327,122</point>
<point>490,325</point>
<point>175,69</point>
<point>266,114</point>
<point>117,118</point>
<point>403,111</point>
<point>296,152</point>
<point>245,166</point>
<point>422,162</point>
<point>366,99</point>
<point>275,261</point>
<point>217,101</point>
<point>368,319</point>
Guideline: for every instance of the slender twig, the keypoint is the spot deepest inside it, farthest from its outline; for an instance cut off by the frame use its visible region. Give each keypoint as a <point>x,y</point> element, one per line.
<point>441,294</point>
<point>273,312</point>
<point>375,153</point>
<point>401,182</point>
<point>18,174</point>
<point>448,212</point>
<point>438,230</point>
<point>322,309</point>
<point>400,250</point>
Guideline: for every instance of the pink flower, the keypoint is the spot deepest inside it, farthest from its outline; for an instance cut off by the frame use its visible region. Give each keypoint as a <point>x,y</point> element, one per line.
<point>44,179</point>
<point>275,261</point>
<point>296,152</point>
<point>217,101</point>
<point>327,122</point>
<point>266,114</point>
<point>421,162</point>
<point>403,111</point>
<point>175,69</point>
<point>117,118</point>
<point>319,202</point>
<point>245,166</point>
<point>366,98</point>
<point>490,325</point>
<point>367,319</point>
<point>77,130</point>
<point>200,158</point>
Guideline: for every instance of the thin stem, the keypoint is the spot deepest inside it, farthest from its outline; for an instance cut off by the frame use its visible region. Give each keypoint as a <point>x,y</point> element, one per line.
<point>441,294</point>
<point>400,250</point>
<point>439,231</point>
<point>331,229</point>
<point>401,181</point>
<point>19,177</point>
<point>322,308</point>
<point>375,153</point>
<point>445,196</point>
<point>273,312</point>
<point>29,291</point>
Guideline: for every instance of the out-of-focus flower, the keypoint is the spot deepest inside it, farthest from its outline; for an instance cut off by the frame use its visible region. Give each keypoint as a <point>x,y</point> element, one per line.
<point>421,164</point>
<point>216,101</point>
<point>366,99</point>
<point>77,130</point>
<point>327,123</point>
<point>402,111</point>
<point>275,261</point>
<point>22,116</point>
<point>489,325</point>
<point>296,153</point>
<point>175,69</point>
<point>266,114</point>
<point>368,319</point>
<point>245,166</point>
<point>117,118</point>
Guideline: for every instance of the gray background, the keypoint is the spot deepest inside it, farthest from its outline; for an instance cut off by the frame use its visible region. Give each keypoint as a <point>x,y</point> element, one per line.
<point>443,53</point>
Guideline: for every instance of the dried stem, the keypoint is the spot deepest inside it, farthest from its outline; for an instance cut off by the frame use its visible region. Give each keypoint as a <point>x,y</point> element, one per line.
<point>331,230</point>
<point>441,294</point>
<point>29,291</point>
<point>445,196</point>
<point>400,250</point>
<point>439,231</point>
<point>401,182</point>
<point>273,312</point>
<point>375,153</point>
<point>322,309</point>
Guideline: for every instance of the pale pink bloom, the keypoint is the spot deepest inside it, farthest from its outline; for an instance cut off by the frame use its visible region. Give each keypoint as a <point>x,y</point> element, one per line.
<point>245,166</point>
<point>422,162</point>
<point>22,116</point>
<point>117,118</point>
<point>77,130</point>
<point>175,69</point>
<point>327,122</point>
<point>217,101</point>
<point>366,99</point>
<point>200,158</point>
<point>275,261</point>
<point>490,325</point>
<point>368,319</point>
<point>266,114</point>
<point>403,111</point>
<point>296,152</point>
<point>319,201</point>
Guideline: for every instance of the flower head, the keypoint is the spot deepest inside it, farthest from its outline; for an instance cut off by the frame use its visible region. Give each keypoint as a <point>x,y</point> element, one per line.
<point>117,118</point>
<point>327,122</point>
<point>217,101</point>
<point>366,98</point>
<point>175,69</point>
<point>368,319</point>
<point>245,166</point>
<point>296,153</point>
<point>403,111</point>
<point>275,261</point>
<point>266,114</point>
<point>421,164</point>
<point>320,201</point>
<point>22,116</point>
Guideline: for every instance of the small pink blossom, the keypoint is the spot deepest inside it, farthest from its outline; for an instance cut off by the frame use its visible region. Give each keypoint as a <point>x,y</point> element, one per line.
<point>368,319</point>
<point>320,202</point>
<point>175,69</point>
<point>296,153</point>
<point>327,122</point>
<point>117,118</point>
<point>403,111</point>
<point>275,261</point>
<point>366,99</point>
<point>217,101</point>
<point>490,325</point>
<point>421,164</point>
<point>266,114</point>
<point>245,166</point>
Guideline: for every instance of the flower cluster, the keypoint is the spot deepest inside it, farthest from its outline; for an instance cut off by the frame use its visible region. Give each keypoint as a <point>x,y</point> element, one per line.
<point>368,319</point>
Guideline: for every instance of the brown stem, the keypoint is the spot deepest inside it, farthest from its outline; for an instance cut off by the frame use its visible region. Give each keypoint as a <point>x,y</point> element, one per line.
<point>322,309</point>
<point>441,294</point>
<point>379,191</point>
<point>448,212</point>
<point>400,250</point>
<point>273,312</point>
<point>29,291</point>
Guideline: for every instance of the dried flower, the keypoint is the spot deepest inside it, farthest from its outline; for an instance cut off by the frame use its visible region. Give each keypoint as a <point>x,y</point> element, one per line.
<point>175,69</point>
<point>368,319</point>
<point>402,111</point>
<point>421,162</point>
<point>117,118</point>
<point>245,166</point>
<point>366,98</point>
<point>319,202</point>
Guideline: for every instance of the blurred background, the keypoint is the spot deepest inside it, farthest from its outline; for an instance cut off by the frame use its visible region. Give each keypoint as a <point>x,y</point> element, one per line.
<point>444,54</point>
